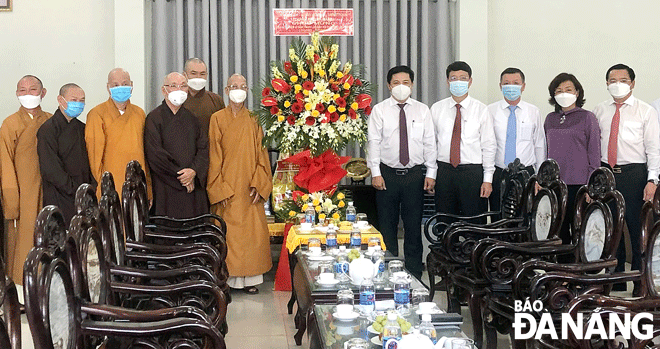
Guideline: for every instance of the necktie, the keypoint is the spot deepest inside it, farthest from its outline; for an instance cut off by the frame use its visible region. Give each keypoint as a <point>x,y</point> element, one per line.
<point>404,157</point>
<point>614,136</point>
<point>510,145</point>
<point>455,150</point>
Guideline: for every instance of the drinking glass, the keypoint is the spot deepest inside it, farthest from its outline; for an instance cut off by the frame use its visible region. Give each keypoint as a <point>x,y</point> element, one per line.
<point>373,244</point>
<point>314,246</point>
<point>395,266</point>
<point>345,297</point>
<point>419,295</point>
<point>461,343</point>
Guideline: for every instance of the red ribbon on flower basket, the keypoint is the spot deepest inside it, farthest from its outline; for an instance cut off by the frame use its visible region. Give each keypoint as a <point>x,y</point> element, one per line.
<point>321,173</point>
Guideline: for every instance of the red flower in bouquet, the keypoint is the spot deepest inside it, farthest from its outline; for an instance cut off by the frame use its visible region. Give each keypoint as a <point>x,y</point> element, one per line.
<point>363,100</point>
<point>334,117</point>
<point>288,68</point>
<point>269,101</point>
<point>291,119</point>
<point>310,121</point>
<point>274,110</point>
<point>326,118</point>
<point>320,107</point>
<point>265,92</point>
<point>352,113</point>
<point>281,86</point>
<point>297,107</point>
<point>341,102</point>
<point>334,87</point>
<point>367,110</point>
<point>308,85</point>
<point>300,96</point>
<point>358,82</point>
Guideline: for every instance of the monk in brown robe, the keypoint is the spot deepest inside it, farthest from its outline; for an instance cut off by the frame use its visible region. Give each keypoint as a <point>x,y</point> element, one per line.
<point>177,154</point>
<point>20,179</point>
<point>114,133</point>
<point>240,180</point>
<point>201,102</point>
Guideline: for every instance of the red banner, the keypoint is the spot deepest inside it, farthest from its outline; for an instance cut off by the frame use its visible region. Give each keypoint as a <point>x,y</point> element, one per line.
<point>304,22</point>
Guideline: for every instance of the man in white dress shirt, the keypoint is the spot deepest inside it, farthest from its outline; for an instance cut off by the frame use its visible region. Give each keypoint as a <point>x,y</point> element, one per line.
<point>401,142</point>
<point>631,148</point>
<point>466,147</point>
<point>518,131</point>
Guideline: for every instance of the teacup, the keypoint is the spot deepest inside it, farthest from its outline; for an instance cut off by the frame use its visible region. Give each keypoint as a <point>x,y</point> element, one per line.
<point>426,307</point>
<point>315,251</point>
<point>345,330</point>
<point>344,310</point>
<point>326,278</point>
<point>361,224</point>
<point>400,274</point>
<point>305,226</point>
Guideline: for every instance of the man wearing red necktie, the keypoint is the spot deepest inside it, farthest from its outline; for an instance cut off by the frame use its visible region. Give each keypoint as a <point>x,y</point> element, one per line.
<point>401,144</point>
<point>466,147</point>
<point>631,148</point>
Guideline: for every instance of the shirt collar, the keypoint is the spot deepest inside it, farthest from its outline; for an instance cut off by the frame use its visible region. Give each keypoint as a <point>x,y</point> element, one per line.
<point>394,102</point>
<point>464,104</point>
<point>504,105</point>
<point>630,101</point>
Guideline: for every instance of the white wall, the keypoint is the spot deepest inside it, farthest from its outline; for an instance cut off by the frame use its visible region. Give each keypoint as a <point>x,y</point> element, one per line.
<point>71,41</point>
<point>544,38</point>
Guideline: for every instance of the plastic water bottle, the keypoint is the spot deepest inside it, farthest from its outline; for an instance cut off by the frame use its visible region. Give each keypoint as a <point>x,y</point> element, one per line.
<point>402,295</point>
<point>356,239</point>
<point>426,328</point>
<point>341,264</point>
<point>351,213</point>
<point>310,214</point>
<point>378,258</point>
<point>391,331</point>
<point>331,241</point>
<point>367,296</point>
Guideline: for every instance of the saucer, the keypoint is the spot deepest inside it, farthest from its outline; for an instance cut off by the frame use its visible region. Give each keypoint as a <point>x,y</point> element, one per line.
<point>331,283</point>
<point>349,317</point>
<point>320,257</point>
<point>370,329</point>
<point>376,340</point>
<point>430,311</point>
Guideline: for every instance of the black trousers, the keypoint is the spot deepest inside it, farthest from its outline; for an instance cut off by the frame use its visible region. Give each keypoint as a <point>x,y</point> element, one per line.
<point>457,190</point>
<point>566,232</point>
<point>404,196</point>
<point>494,198</point>
<point>630,181</point>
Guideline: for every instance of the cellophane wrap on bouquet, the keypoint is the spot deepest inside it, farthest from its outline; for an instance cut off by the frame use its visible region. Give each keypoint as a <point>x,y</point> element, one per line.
<point>312,106</point>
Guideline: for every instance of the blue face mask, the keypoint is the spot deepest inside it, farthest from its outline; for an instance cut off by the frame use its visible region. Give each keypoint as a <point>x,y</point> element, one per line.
<point>511,92</point>
<point>458,88</point>
<point>74,109</point>
<point>120,94</point>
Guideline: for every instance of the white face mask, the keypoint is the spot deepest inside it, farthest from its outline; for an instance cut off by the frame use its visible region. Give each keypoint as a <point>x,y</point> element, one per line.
<point>29,101</point>
<point>401,92</point>
<point>618,89</point>
<point>565,99</point>
<point>197,83</point>
<point>237,96</point>
<point>177,97</point>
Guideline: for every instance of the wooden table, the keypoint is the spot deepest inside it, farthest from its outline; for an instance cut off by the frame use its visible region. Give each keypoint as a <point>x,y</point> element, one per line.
<point>308,293</point>
<point>326,333</point>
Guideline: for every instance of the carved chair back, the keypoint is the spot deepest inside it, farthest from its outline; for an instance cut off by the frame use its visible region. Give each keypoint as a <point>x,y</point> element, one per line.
<point>514,179</point>
<point>548,205</point>
<point>650,268</point>
<point>112,223</point>
<point>10,320</point>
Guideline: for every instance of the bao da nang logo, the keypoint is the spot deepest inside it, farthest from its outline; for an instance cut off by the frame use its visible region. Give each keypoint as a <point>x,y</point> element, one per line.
<point>605,326</point>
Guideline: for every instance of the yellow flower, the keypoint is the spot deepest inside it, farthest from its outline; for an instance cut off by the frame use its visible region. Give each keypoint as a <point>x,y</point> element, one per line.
<point>304,74</point>
<point>321,216</point>
<point>292,213</point>
<point>340,75</point>
<point>306,92</point>
<point>321,72</point>
<point>340,196</point>
<point>354,106</point>
<point>280,118</point>
<point>305,197</point>
<point>298,87</point>
<point>294,78</point>
<point>335,215</point>
<point>331,108</point>
<point>315,202</point>
<point>341,204</point>
<point>335,96</point>
<point>342,118</point>
<point>341,109</point>
<point>315,113</point>
<point>308,106</point>
<point>318,208</point>
<point>287,104</point>
<point>347,86</point>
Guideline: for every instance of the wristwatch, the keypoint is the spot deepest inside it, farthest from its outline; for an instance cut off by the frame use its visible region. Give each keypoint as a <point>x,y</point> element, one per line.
<point>654,181</point>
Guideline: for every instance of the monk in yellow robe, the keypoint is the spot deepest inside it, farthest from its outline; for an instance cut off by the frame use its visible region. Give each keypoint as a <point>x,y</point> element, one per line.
<point>114,133</point>
<point>201,102</point>
<point>21,179</point>
<point>239,181</point>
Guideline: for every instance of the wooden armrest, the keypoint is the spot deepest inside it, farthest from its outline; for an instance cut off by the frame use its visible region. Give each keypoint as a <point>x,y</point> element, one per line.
<point>215,263</point>
<point>205,218</point>
<point>585,281</point>
<point>124,314</point>
<point>197,272</point>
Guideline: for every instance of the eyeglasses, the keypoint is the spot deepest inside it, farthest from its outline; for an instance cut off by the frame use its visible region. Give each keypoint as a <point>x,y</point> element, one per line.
<point>177,87</point>
<point>614,81</point>
<point>459,78</point>
<point>236,87</point>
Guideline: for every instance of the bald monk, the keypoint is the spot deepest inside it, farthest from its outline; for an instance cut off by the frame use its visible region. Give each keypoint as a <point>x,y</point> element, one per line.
<point>114,133</point>
<point>62,152</point>
<point>239,182</point>
<point>201,102</point>
<point>177,154</point>
<point>20,179</point>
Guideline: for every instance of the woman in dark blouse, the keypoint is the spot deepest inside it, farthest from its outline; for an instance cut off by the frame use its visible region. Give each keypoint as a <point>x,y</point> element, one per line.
<point>573,139</point>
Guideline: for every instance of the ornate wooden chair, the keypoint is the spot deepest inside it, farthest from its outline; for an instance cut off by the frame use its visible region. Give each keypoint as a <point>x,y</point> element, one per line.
<point>61,317</point>
<point>541,278</point>
<point>139,288</point>
<point>10,320</point>
<point>451,244</point>
<point>649,278</point>
<point>494,271</point>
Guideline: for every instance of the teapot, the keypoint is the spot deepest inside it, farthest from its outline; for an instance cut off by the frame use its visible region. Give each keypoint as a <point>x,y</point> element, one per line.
<point>360,269</point>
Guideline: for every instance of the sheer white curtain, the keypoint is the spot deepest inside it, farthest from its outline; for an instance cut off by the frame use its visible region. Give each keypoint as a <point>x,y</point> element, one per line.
<point>235,36</point>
